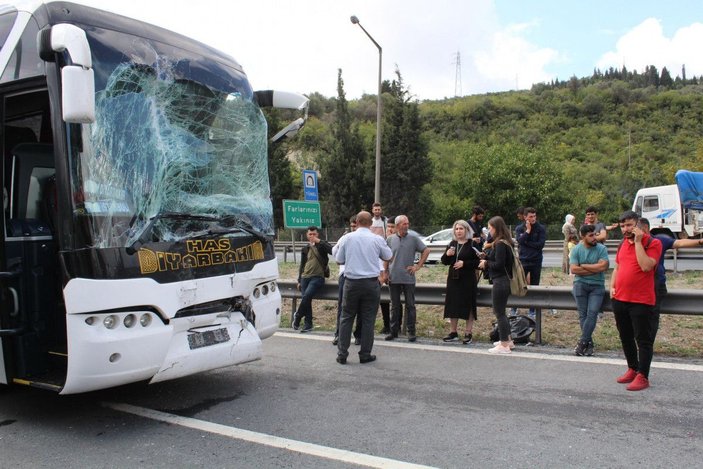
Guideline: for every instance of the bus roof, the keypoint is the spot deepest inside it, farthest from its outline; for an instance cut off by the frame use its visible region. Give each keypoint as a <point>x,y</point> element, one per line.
<point>50,13</point>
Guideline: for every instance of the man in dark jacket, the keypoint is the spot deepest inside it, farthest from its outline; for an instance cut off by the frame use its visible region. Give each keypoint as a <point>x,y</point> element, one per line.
<point>311,276</point>
<point>476,224</point>
<point>531,237</point>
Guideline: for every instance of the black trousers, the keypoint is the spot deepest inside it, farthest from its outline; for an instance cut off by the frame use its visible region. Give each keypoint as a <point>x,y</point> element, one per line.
<point>535,272</point>
<point>499,298</point>
<point>360,299</point>
<point>660,291</point>
<point>357,329</point>
<point>637,324</point>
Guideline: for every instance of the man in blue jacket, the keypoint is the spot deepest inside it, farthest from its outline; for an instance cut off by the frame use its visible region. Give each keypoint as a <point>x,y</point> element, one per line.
<point>531,237</point>
<point>667,243</point>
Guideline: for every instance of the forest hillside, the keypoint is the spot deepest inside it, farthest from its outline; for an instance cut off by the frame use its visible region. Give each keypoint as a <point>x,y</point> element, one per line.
<point>559,147</point>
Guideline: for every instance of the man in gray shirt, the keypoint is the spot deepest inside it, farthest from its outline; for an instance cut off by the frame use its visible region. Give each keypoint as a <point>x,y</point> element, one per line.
<point>601,228</point>
<point>402,270</point>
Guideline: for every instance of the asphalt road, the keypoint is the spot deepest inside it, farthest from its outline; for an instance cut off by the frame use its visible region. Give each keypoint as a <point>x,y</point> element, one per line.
<point>427,403</point>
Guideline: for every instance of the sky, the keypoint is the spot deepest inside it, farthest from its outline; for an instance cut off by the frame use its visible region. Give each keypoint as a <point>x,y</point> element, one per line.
<point>442,48</point>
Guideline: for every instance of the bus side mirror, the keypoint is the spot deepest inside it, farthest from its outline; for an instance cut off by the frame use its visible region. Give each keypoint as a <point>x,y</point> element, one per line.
<point>284,100</point>
<point>77,78</point>
<point>78,95</point>
<point>290,130</point>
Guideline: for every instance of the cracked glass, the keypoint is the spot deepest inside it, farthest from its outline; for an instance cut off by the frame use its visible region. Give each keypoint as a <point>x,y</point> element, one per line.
<point>173,154</point>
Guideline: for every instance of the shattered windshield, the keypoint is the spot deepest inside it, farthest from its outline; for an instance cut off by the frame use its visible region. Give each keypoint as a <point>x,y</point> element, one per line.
<point>171,155</point>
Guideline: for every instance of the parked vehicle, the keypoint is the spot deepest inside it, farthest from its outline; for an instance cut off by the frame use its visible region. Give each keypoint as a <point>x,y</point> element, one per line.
<point>435,242</point>
<point>675,210</point>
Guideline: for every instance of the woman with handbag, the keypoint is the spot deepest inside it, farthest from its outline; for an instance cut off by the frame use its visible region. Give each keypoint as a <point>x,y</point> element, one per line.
<point>460,299</point>
<point>498,263</point>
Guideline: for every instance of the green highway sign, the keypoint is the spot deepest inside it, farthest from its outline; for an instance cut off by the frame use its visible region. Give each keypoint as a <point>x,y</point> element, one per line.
<point>301,214</point>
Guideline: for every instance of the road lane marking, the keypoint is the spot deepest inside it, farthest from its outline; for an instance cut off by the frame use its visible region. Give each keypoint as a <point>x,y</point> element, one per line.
<point>484,351</point>
<point>359,459</point>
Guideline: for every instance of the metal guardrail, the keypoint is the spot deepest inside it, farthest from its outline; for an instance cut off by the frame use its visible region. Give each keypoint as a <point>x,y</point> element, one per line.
<point>685,302</point>
<point>551,246</point>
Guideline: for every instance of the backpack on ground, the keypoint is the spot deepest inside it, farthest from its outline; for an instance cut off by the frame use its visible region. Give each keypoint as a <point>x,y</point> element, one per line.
<point>518,281</point>
<point>521,327</point>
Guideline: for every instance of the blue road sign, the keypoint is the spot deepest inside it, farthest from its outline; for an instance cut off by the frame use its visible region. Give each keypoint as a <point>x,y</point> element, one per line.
<point>310,184</point>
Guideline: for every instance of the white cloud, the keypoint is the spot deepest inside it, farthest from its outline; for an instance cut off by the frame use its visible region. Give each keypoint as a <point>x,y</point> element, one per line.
<point>646,44</point>
<point>511,62</point>
<point>299,45</point>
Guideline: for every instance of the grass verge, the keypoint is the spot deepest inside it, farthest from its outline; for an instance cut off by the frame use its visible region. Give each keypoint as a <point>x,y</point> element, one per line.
<point>678,335</point>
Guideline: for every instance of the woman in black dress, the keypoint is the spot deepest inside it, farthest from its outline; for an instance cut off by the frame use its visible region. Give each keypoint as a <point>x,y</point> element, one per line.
<point>460,300</point>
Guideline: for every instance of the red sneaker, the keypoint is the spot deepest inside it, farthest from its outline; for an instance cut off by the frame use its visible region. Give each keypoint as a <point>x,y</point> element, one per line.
<point>628,377</point>
<point>639,383</point>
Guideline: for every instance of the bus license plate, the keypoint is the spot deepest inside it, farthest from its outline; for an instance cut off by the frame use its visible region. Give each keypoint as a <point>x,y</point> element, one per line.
<point>207,338</point>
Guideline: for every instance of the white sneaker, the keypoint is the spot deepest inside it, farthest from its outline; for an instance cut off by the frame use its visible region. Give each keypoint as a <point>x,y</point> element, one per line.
<point>500,349</point>
<point>511,344</point>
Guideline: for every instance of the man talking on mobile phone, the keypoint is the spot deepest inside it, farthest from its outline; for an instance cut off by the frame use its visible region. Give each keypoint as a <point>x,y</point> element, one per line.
<point>531,237</point>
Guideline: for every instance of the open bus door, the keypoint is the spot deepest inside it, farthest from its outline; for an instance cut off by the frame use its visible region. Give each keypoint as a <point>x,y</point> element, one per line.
<point>33,339</point>
<point>32,329</point>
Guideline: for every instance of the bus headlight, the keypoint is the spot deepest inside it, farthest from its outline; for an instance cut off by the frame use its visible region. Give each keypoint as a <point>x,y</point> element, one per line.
<point>265,289</point>
<point>145,319</point>
<point>273,286</point>
<point>111,321</point>
<point>257,293</point>
<point>129,320</point>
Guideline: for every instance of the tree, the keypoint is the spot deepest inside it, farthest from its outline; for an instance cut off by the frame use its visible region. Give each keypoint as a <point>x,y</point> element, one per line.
<point>405,164</point>
<point>665,79</point>
<point>503,177</point>
<point>651,75</point>
<point>319,105</point>
<point>280,175</point>
<point>344,187</point>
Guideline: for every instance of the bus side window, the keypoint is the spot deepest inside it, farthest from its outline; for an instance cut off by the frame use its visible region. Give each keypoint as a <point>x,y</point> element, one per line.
<point>33,165</point>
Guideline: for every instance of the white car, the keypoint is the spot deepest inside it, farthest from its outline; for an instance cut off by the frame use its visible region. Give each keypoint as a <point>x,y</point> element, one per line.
<point>436,240</point>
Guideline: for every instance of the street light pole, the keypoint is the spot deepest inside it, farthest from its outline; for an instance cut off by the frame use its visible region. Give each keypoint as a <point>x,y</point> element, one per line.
<point>377,179</point>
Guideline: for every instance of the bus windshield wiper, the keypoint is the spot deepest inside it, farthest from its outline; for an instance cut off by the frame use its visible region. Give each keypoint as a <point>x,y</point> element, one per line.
<point>146,231</point>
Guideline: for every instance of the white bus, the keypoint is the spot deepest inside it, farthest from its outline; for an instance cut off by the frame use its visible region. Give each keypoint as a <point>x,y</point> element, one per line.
<point>136,237</point>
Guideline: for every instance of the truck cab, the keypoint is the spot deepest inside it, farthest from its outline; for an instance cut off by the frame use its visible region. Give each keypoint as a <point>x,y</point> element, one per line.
<point>661,205</point>
<point>675,210</point>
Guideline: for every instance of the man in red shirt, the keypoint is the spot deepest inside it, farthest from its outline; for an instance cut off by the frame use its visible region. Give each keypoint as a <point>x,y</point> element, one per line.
<point>633,297</point>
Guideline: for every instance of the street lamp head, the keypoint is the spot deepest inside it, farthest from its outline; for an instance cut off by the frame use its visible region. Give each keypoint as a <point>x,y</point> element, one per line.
<point>354,19</point>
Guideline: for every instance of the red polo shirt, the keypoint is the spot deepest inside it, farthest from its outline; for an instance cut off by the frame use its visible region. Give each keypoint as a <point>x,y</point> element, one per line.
<point>631,283</point>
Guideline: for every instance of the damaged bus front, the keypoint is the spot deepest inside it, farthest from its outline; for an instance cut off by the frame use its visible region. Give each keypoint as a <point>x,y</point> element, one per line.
<point>137,237</point>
